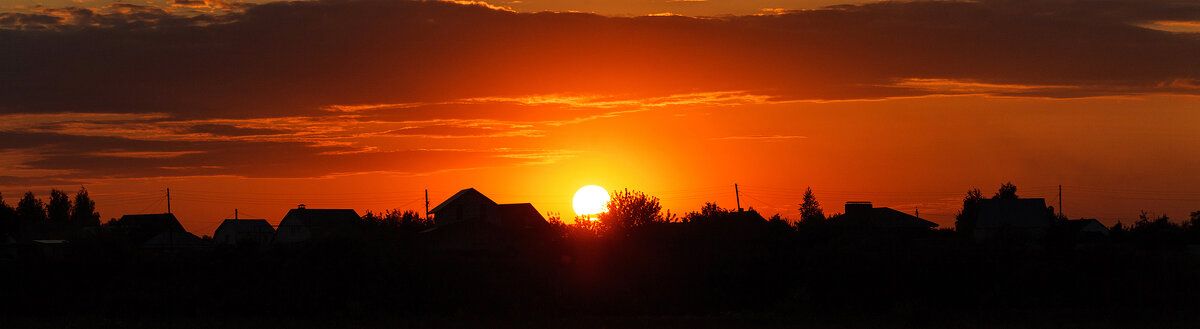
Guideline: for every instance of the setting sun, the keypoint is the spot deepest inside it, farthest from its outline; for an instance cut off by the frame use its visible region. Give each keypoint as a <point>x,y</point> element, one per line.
<point>590,200</point>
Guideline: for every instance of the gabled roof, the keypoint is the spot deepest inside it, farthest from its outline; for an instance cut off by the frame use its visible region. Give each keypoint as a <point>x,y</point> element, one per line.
<point>174,240</point>
<point>460,195</point>
<point>143,227</point>
<point>318,217</point>
<point>1019,213</point>
<point>1078,225</point>
<point>861,213</point>
<point>888,217</point>
<point>245,226</point>
<point>151,223</point>
<point>521,216</point>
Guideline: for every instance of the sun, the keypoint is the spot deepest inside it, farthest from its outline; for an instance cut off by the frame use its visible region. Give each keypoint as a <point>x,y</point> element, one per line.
<point>590,200</point>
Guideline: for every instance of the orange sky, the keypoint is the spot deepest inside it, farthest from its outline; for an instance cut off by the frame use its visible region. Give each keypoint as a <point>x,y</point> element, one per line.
<point>364,104</point>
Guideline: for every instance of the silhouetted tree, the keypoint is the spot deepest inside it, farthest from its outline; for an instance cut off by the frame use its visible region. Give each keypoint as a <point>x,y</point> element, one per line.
<point>58,210</point>
<point>709,212</point>
<point>84,211</point>
<point>8,218</point>
<point>964,222</point>
<point>31,210</point>
<point>1154,232</point>
<point>628,210</point>
<point>395,219</point>
<point>584,226</point>
<point>810,209</point>
<point>1006,192</point>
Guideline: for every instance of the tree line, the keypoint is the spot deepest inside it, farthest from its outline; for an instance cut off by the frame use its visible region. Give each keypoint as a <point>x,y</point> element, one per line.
<point>60,214</point>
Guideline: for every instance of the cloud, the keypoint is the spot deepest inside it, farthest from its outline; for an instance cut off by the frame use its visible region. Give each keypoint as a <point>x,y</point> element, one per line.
<point>300,58</point>
<point>65,157</point>
<point>209,87</point>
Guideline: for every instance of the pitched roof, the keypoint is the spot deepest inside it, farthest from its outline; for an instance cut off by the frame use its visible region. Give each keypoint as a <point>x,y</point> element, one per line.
<point>245,226</point>
<point>888,217</point>
<point>1078,225</point>
<point>521,215</point>
<point>862,213</point>
<point>318,217</point>
<point>151,222</point>
<point>1020,213</point>
<point>460,195</point>
<point>145,226</point>
<point>174,240</point>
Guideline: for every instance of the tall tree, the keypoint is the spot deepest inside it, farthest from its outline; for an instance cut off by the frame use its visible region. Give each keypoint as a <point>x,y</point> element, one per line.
<point>1007,191</point>
<point>31,210</point>
<point>8,218</point>
<point>810,209</point>
<point>84,212</point>
<point>964,222</point>
<point>629,210</point>
<point>59,208</point>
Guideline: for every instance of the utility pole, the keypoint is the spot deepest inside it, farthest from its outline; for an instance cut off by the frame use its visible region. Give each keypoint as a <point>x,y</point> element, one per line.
<point>235,213</point>
<point>1060,200</point>
<point>168,200</point>
<point>426,203</point>
<point>737,196</point>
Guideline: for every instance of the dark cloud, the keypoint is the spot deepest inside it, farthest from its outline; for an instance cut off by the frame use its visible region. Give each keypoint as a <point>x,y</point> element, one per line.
<point>295,58</point>
<point>114,157</point>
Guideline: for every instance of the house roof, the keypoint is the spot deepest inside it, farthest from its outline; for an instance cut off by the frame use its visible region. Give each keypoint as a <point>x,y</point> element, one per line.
<point>245,226</point>
<point>174,240</point>
<point>1078,225</point>
<point>460,195</point>
<point>885,217</point>
<point>151,223</point>
<point>888,217</point>
<point>521,215</point>
<point>318,217</point>
<point>1020,213</point>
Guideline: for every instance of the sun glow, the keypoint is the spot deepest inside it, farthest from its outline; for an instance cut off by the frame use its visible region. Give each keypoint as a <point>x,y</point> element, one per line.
<point>590,200</point>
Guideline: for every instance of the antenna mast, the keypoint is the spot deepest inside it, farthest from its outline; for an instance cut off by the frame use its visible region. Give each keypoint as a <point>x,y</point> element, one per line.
<point>168,200</point>
<point>1060,200</point>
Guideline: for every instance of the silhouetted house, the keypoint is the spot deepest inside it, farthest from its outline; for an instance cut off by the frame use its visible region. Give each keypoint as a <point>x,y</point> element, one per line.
<point>469,220</point>
<point>1086,226</point>
<point>141,228</point>
<point>863,216</point>
<point>1084,233</point>
<point>724,225</point>
<point>1020,219</point>
<point>255,232</point>
<point>174,241</point>
<point>302,224</point>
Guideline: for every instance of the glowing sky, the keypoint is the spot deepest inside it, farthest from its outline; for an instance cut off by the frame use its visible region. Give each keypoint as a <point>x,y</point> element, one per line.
<point>365,103</point>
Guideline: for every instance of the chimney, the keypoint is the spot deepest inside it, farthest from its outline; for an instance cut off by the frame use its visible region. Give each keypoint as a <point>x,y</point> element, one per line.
<point>300,206</point>
<point>858,208</point>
